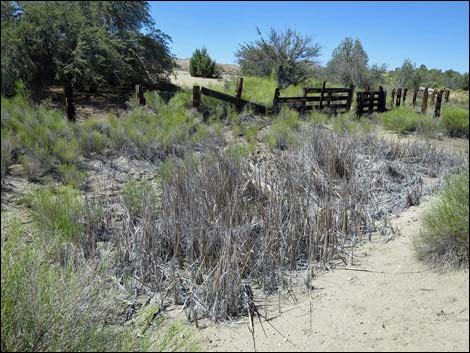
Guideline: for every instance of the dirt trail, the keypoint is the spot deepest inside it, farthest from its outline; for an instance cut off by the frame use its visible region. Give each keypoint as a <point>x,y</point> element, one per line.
<point>400,306</point>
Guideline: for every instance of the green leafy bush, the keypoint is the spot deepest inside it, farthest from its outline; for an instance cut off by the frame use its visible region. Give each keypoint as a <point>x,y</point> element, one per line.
<point>403,120</point>
<point>201,65</point>
<point>444,239</point>
<point>456,121</point>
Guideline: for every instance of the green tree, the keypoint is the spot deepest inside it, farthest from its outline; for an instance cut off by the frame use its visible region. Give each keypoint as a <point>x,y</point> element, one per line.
<point>349,65</point>
<point>201,65</point>
<point>90,43</point>
<point>408,76</point>
<point>464,82</point>
<point>286,55</point>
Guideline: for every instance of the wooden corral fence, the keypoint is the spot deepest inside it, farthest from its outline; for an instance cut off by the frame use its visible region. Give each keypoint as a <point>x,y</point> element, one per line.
<point>371,101</point>
<point>237,102</point>
<point>333,100</point>
<point>436,98</point>
<point>398,96</point>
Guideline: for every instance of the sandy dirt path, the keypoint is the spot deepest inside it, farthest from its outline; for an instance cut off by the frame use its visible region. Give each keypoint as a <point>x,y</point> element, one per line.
<point>399,306</point>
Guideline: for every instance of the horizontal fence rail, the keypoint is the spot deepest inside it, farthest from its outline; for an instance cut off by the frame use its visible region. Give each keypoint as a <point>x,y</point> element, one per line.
<point>334,100</point>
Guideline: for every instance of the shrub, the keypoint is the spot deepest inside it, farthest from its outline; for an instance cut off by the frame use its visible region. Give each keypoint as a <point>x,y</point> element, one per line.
<point>140,198</point>
<point>443,241</point>
<point>71,176</point>
<point>57,212</point>
<point>201,65</point>
<point>282,134</point>
<point>349,125</point>
<point>403,120</point>
<point>7,148</point>
<point>67,151</point>
<point>46,307</point>
<point>40,138</point>
<point>284,55</point>
<point>456,121</point>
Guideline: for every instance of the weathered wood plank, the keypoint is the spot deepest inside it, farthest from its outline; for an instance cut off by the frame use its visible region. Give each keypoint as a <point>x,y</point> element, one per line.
<point>415,95</point>
<point>437,109</point>
<point>196,97</point>
<point>69,102</point>
<point>238,92</point>
<point>139,95</point>
<point>240,103</point>
<point>398,97</point>
<point>424,103</point>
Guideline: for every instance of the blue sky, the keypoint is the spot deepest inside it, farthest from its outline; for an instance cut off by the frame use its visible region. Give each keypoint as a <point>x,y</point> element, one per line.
<point>432,33</point>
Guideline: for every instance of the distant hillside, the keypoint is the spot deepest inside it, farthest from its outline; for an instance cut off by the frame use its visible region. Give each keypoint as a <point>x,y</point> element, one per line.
<point>226,69</point>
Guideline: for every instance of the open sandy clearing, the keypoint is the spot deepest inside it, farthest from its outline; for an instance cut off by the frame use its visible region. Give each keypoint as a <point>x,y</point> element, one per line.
<point>399,306</point>
<point>184,79</point>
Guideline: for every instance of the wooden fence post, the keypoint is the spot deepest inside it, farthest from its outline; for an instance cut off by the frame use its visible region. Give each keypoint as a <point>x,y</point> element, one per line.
<point>398,97</point>
<point>381,107</point>
<point>424,103</point>
<point>350,98</point>
<point>415,95</point>
<point>239,90</point>
<point>371,101</point>
<point>359,104</point>
<point>196,97</point>
<point>446,96</point>
<point>405,91</point>
<point>139,95</point>
<point>393,96</point>
<point>322,92</point>
<point>275,103</point>
<point>437,109</point>
<point>69,104</point>
<point>433,96</point>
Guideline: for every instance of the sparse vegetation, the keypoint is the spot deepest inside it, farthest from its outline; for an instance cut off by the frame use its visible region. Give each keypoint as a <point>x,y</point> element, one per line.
<point>403,120</point>
<point>282,134</point>
<point>109,220</point>
<point>49,307</point>
<point>443,242</point>
<point>456,121</point>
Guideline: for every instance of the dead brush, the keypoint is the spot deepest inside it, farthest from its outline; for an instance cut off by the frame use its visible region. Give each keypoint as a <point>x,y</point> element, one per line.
<point>224,222</point>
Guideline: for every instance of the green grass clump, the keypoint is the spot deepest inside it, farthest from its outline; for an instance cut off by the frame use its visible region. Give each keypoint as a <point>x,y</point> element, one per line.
<point>240,150</point>
<point>67,151</point>
<point>403,120</point>
<point>71,176</point>
<point>39,137</point>
<point>7,149</point>
<point>140,198</point>
<point>283,132</point>
<point>57,211</point>
<point>350,125</point>
<point>47,307</point>
<point>261,89</point>
<point>443,241</point>
<point>455,121</point>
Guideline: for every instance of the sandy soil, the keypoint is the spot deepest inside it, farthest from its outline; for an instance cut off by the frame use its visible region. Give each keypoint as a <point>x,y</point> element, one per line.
<point>184,79</point>
<point>397,304</point>
<point>448,144</point>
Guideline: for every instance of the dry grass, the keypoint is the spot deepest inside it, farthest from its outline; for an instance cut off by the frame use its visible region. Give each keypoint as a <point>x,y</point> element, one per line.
<point>225,222</point>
